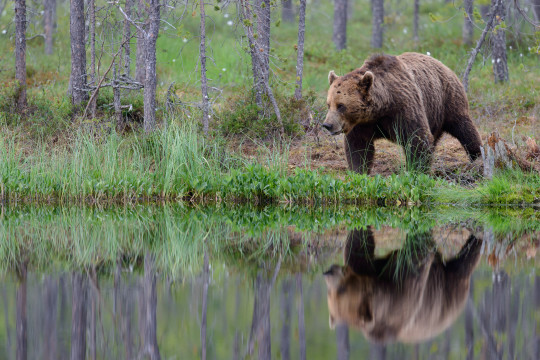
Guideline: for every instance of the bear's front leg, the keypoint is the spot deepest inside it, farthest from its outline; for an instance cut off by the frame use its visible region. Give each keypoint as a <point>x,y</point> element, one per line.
<point>359,149</point>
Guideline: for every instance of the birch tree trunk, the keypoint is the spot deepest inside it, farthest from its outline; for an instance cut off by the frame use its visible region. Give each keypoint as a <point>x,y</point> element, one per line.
<point>140,61</point>
<point>92,15</point>
<point>204,81</point>
<point>468,26</point>
<point>377,10</point>
<point>287,11</point>
<point>340,24</point>
<point>127,35</point>
<point>49,8</point>
<point>498,52</point>
<point>78,52</point>
<point>79,290</point>
<point>300,50</point>
<point>20,51</point>
<point>150,82</point>
<point>416,20</point>
<point>263,40</point>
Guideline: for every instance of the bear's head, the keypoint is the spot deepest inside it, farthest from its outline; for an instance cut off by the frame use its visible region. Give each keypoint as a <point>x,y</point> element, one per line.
<point>349,101</point>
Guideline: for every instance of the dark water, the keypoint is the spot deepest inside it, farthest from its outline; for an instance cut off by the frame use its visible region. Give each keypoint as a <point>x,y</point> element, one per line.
<point>385,293</point>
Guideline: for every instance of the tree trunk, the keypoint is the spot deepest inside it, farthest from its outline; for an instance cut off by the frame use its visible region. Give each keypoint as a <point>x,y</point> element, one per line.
<point>300,50</point>
<point>79,290</point>
<point>342,339</point>
<point>287,11</point>
<point>340,24</point>
<point>416,20</point>
<point>140,66</point>
<point>150,82</point>
<point>127,35</point>
<point>204,81</point>
<point>92,14</point>
<point>20,51</point>
<point>498,52</point>
<point>468,26</point>
<point>535,4</point>
<point>21,321</point>
<point>150,300</point>
<point>263,40</point>
<point>377,10</point>
<point>78,52</point>
<point>49,7</point>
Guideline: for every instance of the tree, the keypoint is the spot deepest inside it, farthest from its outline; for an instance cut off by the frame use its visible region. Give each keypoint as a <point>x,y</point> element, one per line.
<point>536,9</point>
<point>416,19</point>
<point>150,82</point>
<point>468,26</point>
<point>20,51</point>
<point>140,67</point>
<point>49,15</point>
<point>127,36</point>
<point>150,308</point>
<point>21,320</point>
<point>204,80</point>
<point>498,52</point>
<point>78,53</point>
<point>300,50</point>
<point>377,11</point>
<point>79,284</point>
<point>287,11</point>
<point>340,24</point>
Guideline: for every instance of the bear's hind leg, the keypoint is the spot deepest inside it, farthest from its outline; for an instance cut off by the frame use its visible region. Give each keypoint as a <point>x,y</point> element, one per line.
<point>359,149</point>
<point>463,129</point>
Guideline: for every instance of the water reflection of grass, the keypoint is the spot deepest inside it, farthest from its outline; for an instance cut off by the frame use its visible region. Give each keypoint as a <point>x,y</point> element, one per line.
<point>178,236</point>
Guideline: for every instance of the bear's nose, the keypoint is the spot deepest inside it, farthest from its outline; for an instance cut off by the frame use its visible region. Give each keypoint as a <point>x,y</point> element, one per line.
<point>327,126</point>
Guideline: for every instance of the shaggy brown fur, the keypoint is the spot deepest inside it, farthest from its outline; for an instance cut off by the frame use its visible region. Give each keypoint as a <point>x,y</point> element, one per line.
<point>411,99</point>
<point>395,299</point>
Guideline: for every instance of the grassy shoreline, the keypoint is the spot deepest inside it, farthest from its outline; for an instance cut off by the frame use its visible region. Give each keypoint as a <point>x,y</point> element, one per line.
<point>178,165</point>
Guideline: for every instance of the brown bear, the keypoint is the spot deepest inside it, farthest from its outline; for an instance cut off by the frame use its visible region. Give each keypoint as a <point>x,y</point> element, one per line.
<point>410,99</point>
<point>410,296</point>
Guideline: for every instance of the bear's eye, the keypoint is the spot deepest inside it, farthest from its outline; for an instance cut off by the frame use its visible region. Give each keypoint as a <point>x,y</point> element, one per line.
<point>341,108</point>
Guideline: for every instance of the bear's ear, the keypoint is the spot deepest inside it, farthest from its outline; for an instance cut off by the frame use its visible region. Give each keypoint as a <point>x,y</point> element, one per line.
<point>331,77</point>
<point>366,81</point>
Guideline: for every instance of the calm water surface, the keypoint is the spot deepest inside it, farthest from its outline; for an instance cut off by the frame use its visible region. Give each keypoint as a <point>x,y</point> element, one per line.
<point>381,292</point>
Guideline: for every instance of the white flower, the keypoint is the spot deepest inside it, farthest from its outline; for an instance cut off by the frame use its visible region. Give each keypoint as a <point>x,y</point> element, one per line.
<point>223,69</point>
<point>230,23</point>
<point>493,61</point>
<point>428,53</point>
<point>4,31</point>
<point>42,12</point>
<point>184,40</point>
<point>510,47</point>
<point>498,60</point>
<point>173,60</point>
<point>520,55</point>
<point>405,30</point>
<point>226,16</point>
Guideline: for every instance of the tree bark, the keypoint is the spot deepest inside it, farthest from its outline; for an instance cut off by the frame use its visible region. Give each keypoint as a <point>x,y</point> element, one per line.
<point>340,24</point>
<point>78,52</point>
<point>79,296</point>
<point>49,7</point>
<point>150,82</point>
<point>287,11</point>
<point>140,67</point>
<point>127,35</point>
<point>377,11</point>
<point>498,52</point>
<point>21,320</point>
<point>416,19</point>
<point>204,80</point>
<point>300,50</point>
<point>468,26</point>
<point>20,51</point>
<point>263,40</point>
<point>92,14</point>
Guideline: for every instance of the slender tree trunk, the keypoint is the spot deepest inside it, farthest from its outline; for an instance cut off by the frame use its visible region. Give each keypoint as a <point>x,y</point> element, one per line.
<point>245,9</point>
<point>78,315</point>
<point>377,10</point>
<point>150,299</point>
<point>300,50</point>
<point>287,11</point>
<point>340,24</point>
<point>140,62</point>
<point>416,19</point>
<point>150,82</point>
<point>78,52</point>
<point>498,53</point>
<point>21,321</point>
<point>263,39</point>
<point>92,15</point>
<point>535,4</point>
<point>127,35</point>
<point>204,81</point>
<point>120,124</point>
<point>468,26</point>
<point>49,7</point>
<point>20,51</point>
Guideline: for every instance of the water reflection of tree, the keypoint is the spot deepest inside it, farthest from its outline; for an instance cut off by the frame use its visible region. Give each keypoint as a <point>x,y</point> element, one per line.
<point>21,322</point>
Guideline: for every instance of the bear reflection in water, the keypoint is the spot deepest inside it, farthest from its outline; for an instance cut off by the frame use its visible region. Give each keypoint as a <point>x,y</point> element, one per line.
<point>410,296</point>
